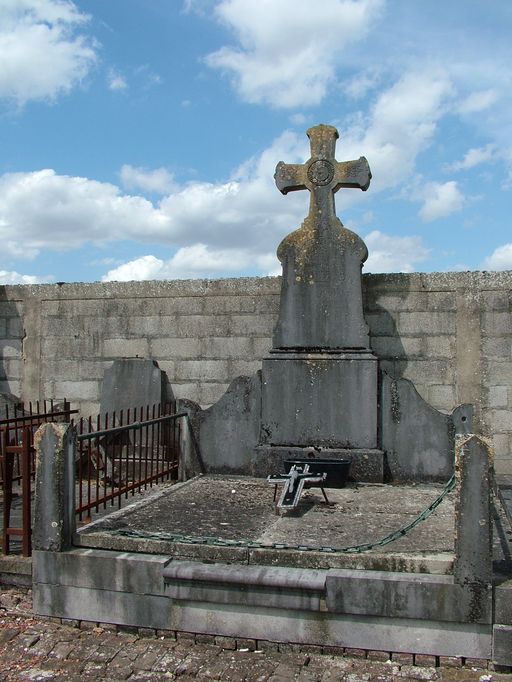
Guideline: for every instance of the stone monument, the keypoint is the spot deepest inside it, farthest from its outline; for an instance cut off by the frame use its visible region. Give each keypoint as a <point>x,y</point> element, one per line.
<point>320,392</point>
<point>320,378</point>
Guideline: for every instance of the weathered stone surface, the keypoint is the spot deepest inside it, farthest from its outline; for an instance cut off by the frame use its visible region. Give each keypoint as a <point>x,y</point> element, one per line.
<point>473,527</point>
<point>320,400</point>
<point>54,514</point>
<point>9,401</point>
<point>101,569</point>
<point>480,360</point>
<point>29,649</point>
<point>241,511</point>
<point>133,382</point>
<point>503,613</point>
<point>502,645</point>
<point>321,297</point>
<point>271,587</point>
<point>400,595</point>
<point>228,431</point>
<point>418,440</point>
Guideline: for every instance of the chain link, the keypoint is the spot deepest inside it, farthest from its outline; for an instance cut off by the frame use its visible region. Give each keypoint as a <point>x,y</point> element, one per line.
<point>350,549</point>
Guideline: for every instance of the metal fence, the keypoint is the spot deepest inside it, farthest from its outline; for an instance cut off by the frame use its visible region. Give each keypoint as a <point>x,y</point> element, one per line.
<point>121,454</point>
<point>17,465</point>
<point>117,455</point>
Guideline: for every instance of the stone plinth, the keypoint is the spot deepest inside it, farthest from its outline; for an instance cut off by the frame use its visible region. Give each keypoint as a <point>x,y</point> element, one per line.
<point>320,400</point>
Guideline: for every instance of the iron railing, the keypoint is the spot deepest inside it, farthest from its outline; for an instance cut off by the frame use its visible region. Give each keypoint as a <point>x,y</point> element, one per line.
<point>117,455</point>
<point>121,454</point>
<point>17,466</point>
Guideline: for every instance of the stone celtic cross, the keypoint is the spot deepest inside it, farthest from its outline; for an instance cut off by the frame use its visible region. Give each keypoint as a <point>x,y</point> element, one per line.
<point>321,294</point>
<point>322,175</point>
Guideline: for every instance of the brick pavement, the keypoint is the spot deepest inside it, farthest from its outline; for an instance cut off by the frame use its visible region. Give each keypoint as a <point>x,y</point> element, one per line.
<point>33,648</point>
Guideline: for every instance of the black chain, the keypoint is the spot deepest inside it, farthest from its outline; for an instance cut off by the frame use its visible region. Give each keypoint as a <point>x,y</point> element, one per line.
<point>351,549</point>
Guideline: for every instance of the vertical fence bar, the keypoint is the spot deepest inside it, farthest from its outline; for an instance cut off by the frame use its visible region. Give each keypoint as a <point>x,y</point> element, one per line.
<point>105,463</point>
<point>89,424</point>
<point>7,490</point>
<point>146,433</point>
<point>26,493</point>
<point>80,465</point>
<point>113,450</point>
<point>99,462</point>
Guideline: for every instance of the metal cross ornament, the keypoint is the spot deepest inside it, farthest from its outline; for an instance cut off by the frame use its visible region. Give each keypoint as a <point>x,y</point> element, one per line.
<point>322,175</point>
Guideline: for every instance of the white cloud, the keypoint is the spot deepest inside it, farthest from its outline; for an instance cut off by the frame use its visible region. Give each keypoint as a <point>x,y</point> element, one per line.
<point>42,55</point>
<point>288,50</point>
<point>45,210</point>
<point>244,217</point>
<point>400,125</point>
<point>361,84</point>
<point>500,259</point>
<point>158,180</point>
<point>188,262</point>
<point>394,254</point>
<point>13,277</point>
<point>474,157</point>
<point>478,101</point>
<point>145,267</point>
<point>222,227</point>
<point>298,119</point>
<point>116,81</point>
<point>440,200</point>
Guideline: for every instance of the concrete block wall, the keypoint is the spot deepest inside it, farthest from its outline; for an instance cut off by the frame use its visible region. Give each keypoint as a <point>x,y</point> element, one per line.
<point>11,335</point>
<point>450,333</point>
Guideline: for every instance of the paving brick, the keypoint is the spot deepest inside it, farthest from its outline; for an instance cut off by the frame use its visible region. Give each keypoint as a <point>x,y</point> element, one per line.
<point>355,653</point>
<point>413,672</point>
<point>450,661</point>
<point>7,634</point>
<point>425,660</point>
<point>378,656</point>
<point>185,637</point>
<point>249,644</point>
<point>402,659</point>
<point>476,663</point>
<point>226,642</point>
<point>71,622</point>
<point>62,650</point>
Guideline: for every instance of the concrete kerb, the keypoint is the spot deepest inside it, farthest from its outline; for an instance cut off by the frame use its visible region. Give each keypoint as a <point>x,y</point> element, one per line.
<point>312,606</point>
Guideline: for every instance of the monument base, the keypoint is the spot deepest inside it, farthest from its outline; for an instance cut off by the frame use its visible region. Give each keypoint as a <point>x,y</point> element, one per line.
<point>367,466</point>
<point>320,399</point>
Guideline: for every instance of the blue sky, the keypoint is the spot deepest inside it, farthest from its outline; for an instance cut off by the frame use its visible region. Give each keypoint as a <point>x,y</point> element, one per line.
<point>138,138</point>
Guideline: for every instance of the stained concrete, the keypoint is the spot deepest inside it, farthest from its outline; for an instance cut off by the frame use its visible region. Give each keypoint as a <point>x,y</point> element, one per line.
<point>418,440</point>
<point>319,399</point>
<point>54,517</point>
<point>133,382</point>
<point>242,509</point>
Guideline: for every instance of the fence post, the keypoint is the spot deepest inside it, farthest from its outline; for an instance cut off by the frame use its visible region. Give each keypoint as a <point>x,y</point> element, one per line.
<point>190,463</point>
<point>55,520</point>
<point>473,523</point>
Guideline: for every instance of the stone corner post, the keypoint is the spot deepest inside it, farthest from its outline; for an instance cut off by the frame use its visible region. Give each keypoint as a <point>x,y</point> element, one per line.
<point>473,519</point>
<point>54,518</point>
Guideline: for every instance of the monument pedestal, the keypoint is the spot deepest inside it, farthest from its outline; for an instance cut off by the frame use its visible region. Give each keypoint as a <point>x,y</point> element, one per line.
<point>320,404</point>
<point>324,399</point>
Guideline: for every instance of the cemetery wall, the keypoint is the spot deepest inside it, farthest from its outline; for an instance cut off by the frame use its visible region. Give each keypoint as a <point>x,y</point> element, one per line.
<point>450,333</point>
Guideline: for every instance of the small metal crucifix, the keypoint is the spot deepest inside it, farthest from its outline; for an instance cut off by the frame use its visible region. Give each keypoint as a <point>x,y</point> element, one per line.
<point>294,482</point>
<point>322,175</point>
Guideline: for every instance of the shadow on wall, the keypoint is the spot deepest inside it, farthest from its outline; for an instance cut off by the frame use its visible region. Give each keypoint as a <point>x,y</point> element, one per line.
<point>418,440</point>
<point>11,350</point>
